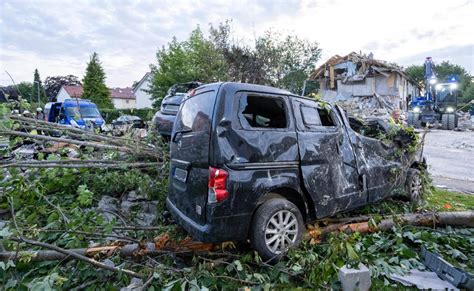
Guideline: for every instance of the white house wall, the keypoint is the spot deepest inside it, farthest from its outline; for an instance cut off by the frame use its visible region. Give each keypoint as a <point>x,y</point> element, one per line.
<point>143,98</point>
<point>122,103</point>
<point>62,95</point>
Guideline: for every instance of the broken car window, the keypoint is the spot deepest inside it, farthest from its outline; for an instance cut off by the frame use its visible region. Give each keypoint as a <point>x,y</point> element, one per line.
<point>325,116</point>
<point>264,112</point>
<point>316,116</point>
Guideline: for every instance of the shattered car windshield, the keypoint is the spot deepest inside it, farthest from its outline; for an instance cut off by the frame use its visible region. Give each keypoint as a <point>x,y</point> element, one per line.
<point>85,112</point>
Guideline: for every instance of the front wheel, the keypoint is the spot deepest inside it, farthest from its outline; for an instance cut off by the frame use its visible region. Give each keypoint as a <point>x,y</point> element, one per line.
<point>414,186</point>
<point>277,225</point>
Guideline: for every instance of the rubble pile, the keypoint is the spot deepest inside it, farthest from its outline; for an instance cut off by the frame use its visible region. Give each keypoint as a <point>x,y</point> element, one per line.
<point>465,121</point>
<point>369,106</point>
<point>364,86</point>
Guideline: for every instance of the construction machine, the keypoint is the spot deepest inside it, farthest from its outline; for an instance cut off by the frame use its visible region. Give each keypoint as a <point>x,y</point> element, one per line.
<point>439,102</point>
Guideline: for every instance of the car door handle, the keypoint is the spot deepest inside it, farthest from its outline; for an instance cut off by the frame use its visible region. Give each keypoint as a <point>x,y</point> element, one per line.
<point>341,139</point>
<point>178,134</point>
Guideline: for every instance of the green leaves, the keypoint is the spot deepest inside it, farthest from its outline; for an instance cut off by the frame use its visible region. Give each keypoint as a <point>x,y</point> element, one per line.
<point>5,233</point>
<point>47,283</point>
<point>84,196</point>
<point>9,264</point>
<point>350,252</point>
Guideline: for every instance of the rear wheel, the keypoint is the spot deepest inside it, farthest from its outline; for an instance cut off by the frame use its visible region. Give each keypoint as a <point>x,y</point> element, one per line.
<point>414,186</point>
<point>413,119</point>
<point>277,225</point>
<point>448,121</point>
<point>410,119</point>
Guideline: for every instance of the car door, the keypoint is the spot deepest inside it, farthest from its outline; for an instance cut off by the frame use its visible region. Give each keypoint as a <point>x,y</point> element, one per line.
<point>378,167</point>
<point>327,161</point>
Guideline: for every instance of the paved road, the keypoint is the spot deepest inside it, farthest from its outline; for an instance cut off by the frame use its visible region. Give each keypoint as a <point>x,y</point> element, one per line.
<point>450,156</point>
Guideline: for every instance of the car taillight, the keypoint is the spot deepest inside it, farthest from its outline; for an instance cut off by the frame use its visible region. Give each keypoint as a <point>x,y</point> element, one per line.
<point>217,185</point>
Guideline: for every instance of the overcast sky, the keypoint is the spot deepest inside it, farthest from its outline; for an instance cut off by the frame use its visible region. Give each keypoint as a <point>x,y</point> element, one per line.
<point>57,37</point>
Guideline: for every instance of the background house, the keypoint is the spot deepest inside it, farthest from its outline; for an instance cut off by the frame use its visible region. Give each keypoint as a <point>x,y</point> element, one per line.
<point>360,82</point>
<point>143,98</point>
<point>123,98</point>
<point>69,92</point>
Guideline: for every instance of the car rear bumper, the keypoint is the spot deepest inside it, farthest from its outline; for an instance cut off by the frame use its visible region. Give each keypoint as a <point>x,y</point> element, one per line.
<point>218,229</point>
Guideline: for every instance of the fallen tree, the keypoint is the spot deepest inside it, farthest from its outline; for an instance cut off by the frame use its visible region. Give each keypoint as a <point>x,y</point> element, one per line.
<point>432,219</point>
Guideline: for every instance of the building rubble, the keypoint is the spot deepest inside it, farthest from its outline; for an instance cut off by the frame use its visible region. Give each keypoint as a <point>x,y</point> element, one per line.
<point>364,86</point>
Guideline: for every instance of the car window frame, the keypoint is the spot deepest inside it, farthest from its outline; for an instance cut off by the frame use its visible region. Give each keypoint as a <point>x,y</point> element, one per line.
<point>314,128</point>
<point>242,121</point>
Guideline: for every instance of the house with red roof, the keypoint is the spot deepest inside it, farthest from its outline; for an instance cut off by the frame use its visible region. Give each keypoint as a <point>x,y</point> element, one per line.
<point>69,92</point>
<point>122,98</point>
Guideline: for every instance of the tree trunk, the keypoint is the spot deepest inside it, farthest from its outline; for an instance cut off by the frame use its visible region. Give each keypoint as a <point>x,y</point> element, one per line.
<point>433,219</point>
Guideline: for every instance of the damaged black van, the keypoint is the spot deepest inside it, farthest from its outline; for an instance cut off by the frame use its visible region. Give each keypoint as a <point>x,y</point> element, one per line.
<point>251,162</point>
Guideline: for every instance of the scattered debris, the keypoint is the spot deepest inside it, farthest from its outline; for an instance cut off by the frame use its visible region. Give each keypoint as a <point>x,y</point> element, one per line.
<point>447,271</point>
<point>353,279</point>
<point>423,280</point>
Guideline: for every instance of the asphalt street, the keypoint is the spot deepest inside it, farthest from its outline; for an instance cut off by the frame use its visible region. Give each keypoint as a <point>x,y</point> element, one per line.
<point>450,157</point>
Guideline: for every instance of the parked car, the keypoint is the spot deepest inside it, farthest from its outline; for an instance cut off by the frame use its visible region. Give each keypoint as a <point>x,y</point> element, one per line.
<point>125,123</point>
<point>164,118</point>
<point>256,163</point>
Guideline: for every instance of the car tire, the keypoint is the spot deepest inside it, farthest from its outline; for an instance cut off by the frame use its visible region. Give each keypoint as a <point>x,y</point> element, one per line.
<point>414,186</point>
<point>276,226</point>
<point>414,119</point>
<point>452,121</point>
<point>449,121</point>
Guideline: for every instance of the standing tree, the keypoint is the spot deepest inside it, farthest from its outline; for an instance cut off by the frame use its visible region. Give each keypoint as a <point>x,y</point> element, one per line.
<point>52,85</point>
<point>38,84</point>
<point>276,60</point>
<point>195,59</point>
<point>94,84</point>
<point>286,60</point>
<point>25,89</point>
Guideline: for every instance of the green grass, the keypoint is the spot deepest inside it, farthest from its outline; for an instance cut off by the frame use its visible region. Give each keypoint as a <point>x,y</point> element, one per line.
<point>443,200</point>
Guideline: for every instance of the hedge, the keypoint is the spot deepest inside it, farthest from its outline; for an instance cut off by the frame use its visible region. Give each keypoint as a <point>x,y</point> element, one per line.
<point>144,113</point>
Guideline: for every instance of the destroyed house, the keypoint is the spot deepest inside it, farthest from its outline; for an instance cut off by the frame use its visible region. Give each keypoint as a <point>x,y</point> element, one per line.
<point>377,83</point>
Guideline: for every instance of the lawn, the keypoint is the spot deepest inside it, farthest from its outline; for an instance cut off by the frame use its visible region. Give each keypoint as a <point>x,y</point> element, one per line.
<point>444,200</point>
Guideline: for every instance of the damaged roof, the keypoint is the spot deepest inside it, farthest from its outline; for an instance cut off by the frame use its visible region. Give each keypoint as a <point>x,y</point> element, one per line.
<point>357,66</point>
